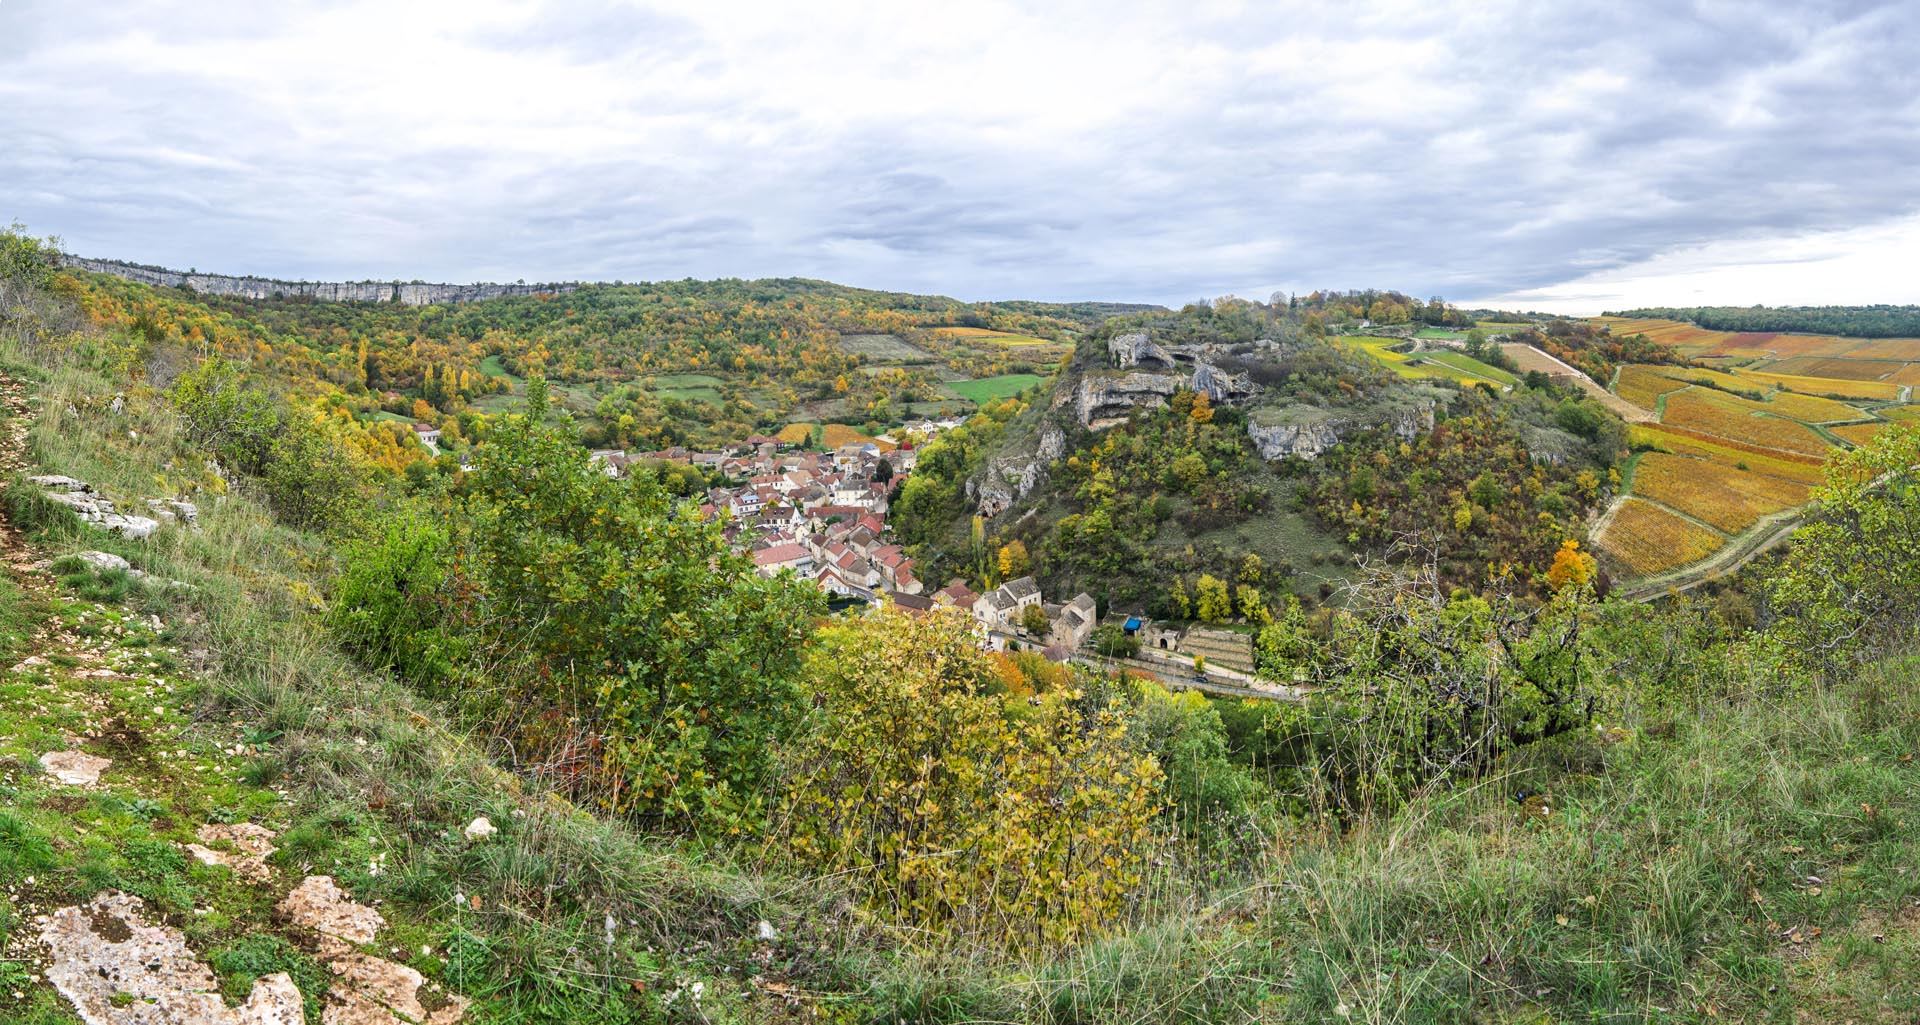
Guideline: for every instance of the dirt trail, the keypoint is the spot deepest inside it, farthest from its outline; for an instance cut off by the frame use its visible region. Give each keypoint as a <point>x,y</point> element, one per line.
<point>1529,358</point>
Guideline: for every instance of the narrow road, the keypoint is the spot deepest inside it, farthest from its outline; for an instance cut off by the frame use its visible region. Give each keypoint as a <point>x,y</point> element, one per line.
<point>1529,358</point>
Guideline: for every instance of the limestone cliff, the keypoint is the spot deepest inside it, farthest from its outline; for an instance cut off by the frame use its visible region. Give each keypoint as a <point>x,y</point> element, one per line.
<point>410,293</point>
<point>1010,478</point>
<point>1310,437</point>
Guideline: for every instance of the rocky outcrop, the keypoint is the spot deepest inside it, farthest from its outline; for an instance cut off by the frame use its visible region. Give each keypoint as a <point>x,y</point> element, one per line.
<point>117,969</point>
<point>1100,402</point>
<point>408,293</point>
<point>88,504</point>
<point>1138,350</point>
<point>1008,479</point>
<point>1220,386</point>
<point>1309,439</point>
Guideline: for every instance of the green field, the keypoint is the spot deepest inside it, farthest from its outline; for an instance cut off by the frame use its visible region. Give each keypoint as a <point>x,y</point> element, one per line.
<point>986,389</point>
<point>1463,362</point>
<point>1437,332</point>
<point>493,367</point>
<point>1427,366</point>
<point>687,387</point>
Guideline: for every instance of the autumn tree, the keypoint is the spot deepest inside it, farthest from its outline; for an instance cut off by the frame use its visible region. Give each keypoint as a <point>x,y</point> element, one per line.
<point>1027,822</point>
<point>1212,602</point>
<point>1013,560</point>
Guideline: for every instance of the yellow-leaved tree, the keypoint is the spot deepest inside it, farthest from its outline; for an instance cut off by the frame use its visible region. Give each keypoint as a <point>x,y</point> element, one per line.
<point>1017,820</point>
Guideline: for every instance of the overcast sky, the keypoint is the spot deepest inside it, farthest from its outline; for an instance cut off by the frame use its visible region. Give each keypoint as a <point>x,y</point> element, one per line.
<point>1555,155</point>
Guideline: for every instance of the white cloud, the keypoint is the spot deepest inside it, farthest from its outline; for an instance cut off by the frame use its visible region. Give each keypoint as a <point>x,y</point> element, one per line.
<point>1860,266</point>
<point>1146,150</point>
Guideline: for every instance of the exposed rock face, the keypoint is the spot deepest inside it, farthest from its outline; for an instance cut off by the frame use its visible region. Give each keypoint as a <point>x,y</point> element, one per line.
<point>93,508</point>
<point>1138,350</point>
<point>413,293</point>
<point>1308,441</point>
<point>1008,479</point>
<point>1220,386</point>
<point>1101,402</point>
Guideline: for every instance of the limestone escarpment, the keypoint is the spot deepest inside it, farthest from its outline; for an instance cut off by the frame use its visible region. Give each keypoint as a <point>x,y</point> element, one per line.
<point>409,293</point>
<point>1308,439</point>
<point>1008,479</point>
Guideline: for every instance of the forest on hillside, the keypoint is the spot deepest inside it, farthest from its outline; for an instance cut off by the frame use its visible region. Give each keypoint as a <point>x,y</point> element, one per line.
<point>1876,321</point>
<point>1140,514</point>
<point>644,366</point>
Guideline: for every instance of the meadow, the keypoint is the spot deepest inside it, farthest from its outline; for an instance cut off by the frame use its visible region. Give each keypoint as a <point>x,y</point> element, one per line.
<point>689,387</point>
<point>984,390</point>
<point>1427,366</point>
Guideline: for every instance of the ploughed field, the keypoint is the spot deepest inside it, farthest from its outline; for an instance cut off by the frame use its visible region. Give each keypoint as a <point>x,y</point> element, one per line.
<point>1736,440</point>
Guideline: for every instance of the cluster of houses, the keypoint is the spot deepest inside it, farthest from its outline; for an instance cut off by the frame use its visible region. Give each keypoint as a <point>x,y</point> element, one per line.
<point>822,515</point>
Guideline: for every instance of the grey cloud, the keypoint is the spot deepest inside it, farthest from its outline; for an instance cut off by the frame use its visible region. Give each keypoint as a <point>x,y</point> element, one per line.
<point>1239,180</point>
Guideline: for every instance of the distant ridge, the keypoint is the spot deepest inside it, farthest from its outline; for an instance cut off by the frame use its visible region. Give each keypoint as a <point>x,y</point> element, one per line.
<point>409,293</point>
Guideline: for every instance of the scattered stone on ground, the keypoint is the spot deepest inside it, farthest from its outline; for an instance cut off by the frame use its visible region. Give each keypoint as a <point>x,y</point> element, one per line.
<point>253,845</point>
<point>92,507</point>
<point>103,561</point>
<point>74,768</point>
<point>480,829</point>
<point>323,907</point>
<point>118,970</point>
<point>376,989</point>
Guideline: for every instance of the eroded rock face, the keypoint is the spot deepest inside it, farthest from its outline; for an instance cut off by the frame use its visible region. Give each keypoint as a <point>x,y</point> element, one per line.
<point>413,293</point>
<point>1138,350</point>
<point>1308,441</point>
<point>116,969</point>
<point>1100,402</point>
<point>1008,479</point>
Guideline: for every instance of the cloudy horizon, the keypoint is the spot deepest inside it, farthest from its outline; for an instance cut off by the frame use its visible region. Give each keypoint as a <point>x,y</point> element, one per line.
<point>1560,157</point>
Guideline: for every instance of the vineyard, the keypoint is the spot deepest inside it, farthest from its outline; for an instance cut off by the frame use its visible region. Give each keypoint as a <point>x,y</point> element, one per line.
<point>1643,386</point>
<point>1728,497</point>
<point>1647,539</point>
<point>1729,416</point>
<point>1741,433</point>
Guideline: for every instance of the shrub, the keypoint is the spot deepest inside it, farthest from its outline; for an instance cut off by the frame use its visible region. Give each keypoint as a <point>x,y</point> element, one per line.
<point>1026,822</point>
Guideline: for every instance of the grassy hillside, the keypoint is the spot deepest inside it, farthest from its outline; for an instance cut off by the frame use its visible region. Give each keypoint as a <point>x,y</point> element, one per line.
<point>1515,805</point>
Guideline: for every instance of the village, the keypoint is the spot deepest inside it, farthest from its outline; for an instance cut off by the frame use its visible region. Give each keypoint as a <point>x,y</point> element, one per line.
<point>822,515</point>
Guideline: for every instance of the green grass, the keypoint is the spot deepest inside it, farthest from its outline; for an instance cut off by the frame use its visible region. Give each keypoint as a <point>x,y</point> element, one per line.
<point>1663,874</point>
<point>688,387</point>
<point>370,771</point>
<point>492,366</point>
<point>1473,367</point>
<point>1427,366</point>
<point>984,390</point>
